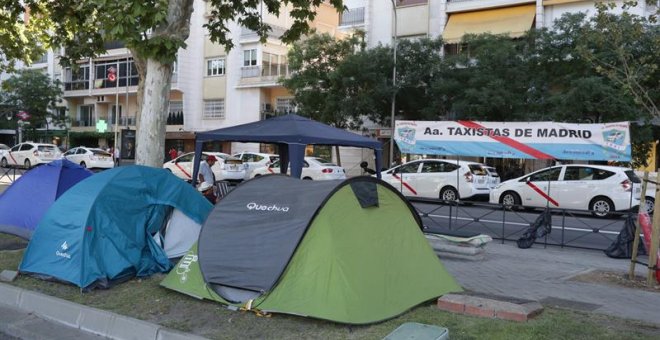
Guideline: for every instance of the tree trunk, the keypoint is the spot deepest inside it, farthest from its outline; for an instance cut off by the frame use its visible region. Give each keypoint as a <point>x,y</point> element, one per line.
<point>150,136</point>
<point>338,157</point>
<point>155,82</point>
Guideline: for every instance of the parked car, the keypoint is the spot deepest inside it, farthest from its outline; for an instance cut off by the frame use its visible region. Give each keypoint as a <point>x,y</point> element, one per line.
<point>314,168</point>
<point>29,154</point>
<point>438,178</point>
<point>601,189</point>
<point>227,168</point>
<point>255,160</point>
<point>92,158</point>
<point>493,176</point>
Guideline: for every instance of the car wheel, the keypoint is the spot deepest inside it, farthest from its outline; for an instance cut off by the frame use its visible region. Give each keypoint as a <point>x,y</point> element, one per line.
<point>601,206</point>
<point>27,164</point>
<point>448,194</point>
<point>3,162</point>
<point>510,200</point>
<point>650,205</point>
<point>307,179</point>
<point>83,164</point>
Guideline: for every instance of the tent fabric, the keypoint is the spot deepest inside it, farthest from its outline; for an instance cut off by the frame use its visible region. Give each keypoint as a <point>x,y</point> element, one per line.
<point>341,261</point>
<point>514,21</point>
<point>293,133</point>
<point>181,232</point>
<point>99,231</point>
<point>24,203</point>
<point>255,235</point>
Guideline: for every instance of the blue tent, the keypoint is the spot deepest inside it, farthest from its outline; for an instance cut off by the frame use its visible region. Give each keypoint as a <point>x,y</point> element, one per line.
<point>292,133</point>
<point>26,201</point>
<point>100,231</point>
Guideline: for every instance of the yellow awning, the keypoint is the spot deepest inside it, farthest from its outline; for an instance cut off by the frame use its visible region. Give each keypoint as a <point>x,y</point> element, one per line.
<point>514,21</point>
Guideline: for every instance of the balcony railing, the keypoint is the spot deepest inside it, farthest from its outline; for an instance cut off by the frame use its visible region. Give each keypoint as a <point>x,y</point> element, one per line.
<point>76,85</point>
<point>352,17</point>
<point>272,72</point>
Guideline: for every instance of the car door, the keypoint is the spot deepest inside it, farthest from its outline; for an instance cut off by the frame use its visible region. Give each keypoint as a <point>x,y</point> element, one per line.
<point>13,155</point>
<point>403,177</point>
<point>80,156</point>
<point>536,190</point>
<point>70,155</point>
<point>432,176</point>
<point>182,166</point>
<point>24,153</point>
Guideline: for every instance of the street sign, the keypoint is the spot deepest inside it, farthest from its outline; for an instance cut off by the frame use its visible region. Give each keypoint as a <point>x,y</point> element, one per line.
<point>101,126</point>
<point>23,115</point>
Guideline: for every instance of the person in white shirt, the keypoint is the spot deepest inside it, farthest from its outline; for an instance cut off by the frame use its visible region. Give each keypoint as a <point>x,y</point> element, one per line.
<point>205,173</point>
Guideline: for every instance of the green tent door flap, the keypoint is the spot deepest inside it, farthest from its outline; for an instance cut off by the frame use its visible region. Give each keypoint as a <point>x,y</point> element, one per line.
<point>348,251</point>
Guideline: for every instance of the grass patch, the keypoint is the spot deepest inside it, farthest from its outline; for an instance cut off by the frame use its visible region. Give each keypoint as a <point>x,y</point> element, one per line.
<point>144,299</point>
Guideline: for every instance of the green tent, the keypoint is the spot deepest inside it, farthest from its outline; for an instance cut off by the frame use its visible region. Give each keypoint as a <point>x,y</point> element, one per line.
<point>348,251</point>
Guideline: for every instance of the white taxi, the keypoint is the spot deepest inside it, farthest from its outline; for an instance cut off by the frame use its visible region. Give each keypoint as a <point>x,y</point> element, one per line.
<point>601,189</point>
<point>440,178</point>
<point>29,154</point>
<point>92,158</point>
<point>227,168</point>
<point>314,168</point>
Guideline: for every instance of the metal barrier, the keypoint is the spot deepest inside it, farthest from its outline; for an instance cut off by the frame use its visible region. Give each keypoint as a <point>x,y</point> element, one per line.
<point>8,175</point>
<point>577,228</point>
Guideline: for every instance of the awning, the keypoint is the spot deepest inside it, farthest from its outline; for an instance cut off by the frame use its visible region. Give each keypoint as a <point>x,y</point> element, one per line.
<point>514,21</point>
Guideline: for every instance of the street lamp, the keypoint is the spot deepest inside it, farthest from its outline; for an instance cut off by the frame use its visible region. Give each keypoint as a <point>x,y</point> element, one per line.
<point>393,83</point>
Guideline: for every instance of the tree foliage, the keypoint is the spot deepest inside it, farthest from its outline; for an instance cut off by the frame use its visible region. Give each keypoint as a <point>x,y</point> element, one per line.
<point>153,30</point>
<point>35,93</point>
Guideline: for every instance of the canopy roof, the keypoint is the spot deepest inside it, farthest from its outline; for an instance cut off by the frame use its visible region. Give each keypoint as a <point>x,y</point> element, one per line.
<point>292,130</point>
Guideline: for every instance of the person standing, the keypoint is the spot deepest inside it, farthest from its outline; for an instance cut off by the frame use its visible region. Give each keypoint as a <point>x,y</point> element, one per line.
<point>116,156</point>
<point>205,173</point>
<point>172,153</point>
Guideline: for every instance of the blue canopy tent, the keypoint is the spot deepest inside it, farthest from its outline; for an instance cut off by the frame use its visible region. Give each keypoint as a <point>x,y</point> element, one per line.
<point>26,201</point>
<point>292,133</point>
<point>100,231</point>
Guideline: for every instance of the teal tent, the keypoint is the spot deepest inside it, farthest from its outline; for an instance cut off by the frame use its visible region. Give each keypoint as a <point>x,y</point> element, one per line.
<point>100,231</point>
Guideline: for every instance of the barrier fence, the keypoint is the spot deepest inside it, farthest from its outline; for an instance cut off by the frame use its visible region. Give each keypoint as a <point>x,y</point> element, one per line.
<point>569,228</point>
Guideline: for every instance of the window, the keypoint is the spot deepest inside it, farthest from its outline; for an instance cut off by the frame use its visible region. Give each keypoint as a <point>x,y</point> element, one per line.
<point>408,168</point>
<point>124,69</point>
<point>214,109</point>
<point>546,175</point>
<point>113,114</point>
<point>215,67</point>
<point>86,115</point>
<point>352,16</point>
<point>285,105</point>
<point>250,57</point>
<point>76,79</point>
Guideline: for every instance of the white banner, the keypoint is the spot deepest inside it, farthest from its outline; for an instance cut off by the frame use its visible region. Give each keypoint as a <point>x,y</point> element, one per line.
<point>540,140</point>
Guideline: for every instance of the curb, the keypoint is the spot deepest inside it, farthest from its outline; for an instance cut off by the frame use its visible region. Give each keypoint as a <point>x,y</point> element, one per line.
<point>88,319</point>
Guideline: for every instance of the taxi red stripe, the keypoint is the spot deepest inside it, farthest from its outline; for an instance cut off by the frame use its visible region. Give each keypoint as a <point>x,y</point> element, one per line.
<point>405,184</point>
<point>540,192</point>
<point>510,142</point>
<point>183,170</point>
<point>12,158</point>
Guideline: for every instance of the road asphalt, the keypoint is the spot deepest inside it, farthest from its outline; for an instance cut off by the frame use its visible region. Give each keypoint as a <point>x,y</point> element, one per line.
<point>543,274</point>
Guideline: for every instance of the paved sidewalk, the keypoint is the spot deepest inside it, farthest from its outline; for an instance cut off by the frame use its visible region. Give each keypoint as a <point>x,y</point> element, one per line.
<point>543,274</point>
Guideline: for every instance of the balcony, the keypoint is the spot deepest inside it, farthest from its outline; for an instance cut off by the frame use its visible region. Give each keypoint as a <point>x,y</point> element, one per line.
<point>76,85</point>
<point>175,118</point>
<point>352,17</point>
<point>263,76</point>
<point>474,5</point>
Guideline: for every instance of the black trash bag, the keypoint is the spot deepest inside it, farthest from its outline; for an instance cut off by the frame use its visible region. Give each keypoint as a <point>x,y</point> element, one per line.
<point>542,226</point>
<point>621,248</point>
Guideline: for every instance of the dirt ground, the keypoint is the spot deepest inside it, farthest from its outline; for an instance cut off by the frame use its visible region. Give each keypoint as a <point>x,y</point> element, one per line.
<point>618,279</point>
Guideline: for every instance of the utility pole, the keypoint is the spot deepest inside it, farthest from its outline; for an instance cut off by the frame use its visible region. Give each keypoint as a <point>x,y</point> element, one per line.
<point>394,34</point>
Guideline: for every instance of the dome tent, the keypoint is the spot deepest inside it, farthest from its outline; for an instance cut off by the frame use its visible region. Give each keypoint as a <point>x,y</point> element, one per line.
<point>348,251</point>
<point>26,201</point>
<point>100,231</point>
